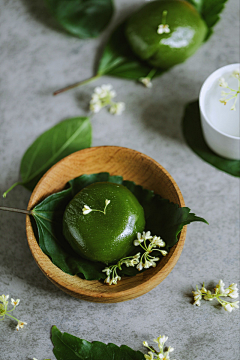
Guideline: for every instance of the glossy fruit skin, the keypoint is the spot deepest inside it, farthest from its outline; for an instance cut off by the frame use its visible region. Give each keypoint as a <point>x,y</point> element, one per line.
<point>187,32</point>
<point>98,237</point>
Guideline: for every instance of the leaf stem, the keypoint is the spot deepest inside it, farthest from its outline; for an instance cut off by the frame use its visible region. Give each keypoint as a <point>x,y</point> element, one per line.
<point>27,212</point>
<point>83,82</point>
<point>13,186</point>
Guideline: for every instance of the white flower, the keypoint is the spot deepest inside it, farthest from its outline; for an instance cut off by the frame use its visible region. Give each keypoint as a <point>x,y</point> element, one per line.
<point>158,241</point>
<point>228,307</point>
<point>161,340</point>
<point>147,264</point>
<point>107,270</point>
<point>236,73</point>
<point>107,280</point>
<point>4,299</point>
<point>197,297</point>
<point>139,266</point>
<point>86,210</point>
<point>163,29</point>
<point>146,81</point>
<point>145,343</point>
<point>234,305</point>
<point>117,108</point>
<point>15,302</point>
<point>220,287</point>
<point>150,356</point>
<point>233,291</point>
<point>163,252</point>
<point>20,324</point>
<point>197,302</point>
<point>223,83</point>
<point>95,106</point>
<point>107,202</point>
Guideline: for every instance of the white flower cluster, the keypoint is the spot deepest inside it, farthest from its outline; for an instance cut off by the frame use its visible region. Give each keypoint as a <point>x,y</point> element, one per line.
<point>142,261</point>
<point>161,354</point>
<point>231,291</point>
<point>111,271</point>
<point>4,311</point>
<point>146,260</point>
<point>233,93</point>
<point>102,97</point>
<point>86,209</point>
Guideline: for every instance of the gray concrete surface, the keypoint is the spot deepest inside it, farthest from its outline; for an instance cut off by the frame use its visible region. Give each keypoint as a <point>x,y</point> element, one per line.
<point>36,58</point>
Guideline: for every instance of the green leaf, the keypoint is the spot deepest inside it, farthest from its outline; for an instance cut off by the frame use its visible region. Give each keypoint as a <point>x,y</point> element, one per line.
<point>119,60</point>
<point>82,18</point>
<point>53,145</point>
<point>192,131</point>
<point>210,11</point>
<point>163,218</point>
<point>69,347</point>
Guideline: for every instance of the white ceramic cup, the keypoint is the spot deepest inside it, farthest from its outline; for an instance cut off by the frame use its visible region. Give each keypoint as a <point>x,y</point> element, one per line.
<point>219,141</point>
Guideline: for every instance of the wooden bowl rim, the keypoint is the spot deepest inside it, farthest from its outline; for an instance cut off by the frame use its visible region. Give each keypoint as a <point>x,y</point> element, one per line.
<point>50,273</point>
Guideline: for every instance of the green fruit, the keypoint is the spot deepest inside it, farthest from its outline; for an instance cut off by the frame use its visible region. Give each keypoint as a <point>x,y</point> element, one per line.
<point>187,32</point>
<point>103,237</point>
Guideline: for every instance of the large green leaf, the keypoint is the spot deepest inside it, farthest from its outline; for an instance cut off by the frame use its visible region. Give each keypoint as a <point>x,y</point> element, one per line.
<point>119,60</point>
<point>193,134</point>
<point>53,145</point>
<point>163,218</point>
<point>210,11</point>
<point>82,18</point>
<point>69,347</point>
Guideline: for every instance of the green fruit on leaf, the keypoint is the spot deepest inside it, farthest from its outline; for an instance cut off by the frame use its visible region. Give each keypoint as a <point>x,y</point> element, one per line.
<point>165,33</point>
<point>105,231</point>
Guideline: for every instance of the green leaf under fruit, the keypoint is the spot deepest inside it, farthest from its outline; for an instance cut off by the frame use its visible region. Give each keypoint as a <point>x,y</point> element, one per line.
<point>53,145</point>
<point>119,60</point>
<point>82,18</point>
<point>69,347</point>
<point>210,11</point>
<point>163,218</point>
<point>192,131</point>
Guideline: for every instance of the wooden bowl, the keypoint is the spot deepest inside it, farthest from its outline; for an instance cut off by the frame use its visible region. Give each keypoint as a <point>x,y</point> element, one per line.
<point>131,165</point>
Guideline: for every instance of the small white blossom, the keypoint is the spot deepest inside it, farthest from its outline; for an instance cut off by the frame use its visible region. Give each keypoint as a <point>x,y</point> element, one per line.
<point>161,340</point>
<point>223,83</point>
<point>107,270</point>
<point>220,287</point>
<point>236,74</point>
<point>117,108</point>
<point>4,299</point>
<point>15,302</point>
<point>150,356</point>
<point>145,343</point>
<point>228,307</point>
<point>157,241</point>
<point>86,210</point>
<point>163,29</point>
<point>233,291</point>
<point>20,324</point>
<point>146,81</point>
<point>95,106</point>
<point>139,266</point>
<point>107,202</point>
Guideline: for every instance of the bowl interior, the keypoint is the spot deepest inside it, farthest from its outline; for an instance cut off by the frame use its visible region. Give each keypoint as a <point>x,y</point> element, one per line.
<point>133,166</point>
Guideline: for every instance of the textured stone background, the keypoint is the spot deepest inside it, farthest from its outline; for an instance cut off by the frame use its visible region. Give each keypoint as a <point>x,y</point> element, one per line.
<point>36,58</point>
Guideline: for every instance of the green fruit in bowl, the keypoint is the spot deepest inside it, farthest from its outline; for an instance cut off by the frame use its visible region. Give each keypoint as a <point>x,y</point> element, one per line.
<point>106,229</point>
<point>165,33</point>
